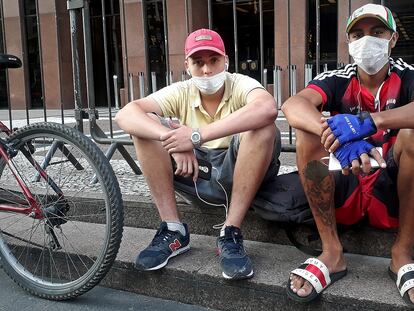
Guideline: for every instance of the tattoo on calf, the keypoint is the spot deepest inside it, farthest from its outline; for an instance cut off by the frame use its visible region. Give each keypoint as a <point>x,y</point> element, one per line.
<point>319,188</point>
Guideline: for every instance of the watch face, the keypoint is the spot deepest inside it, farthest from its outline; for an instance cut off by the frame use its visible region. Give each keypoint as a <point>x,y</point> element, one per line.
<point>195,137</point>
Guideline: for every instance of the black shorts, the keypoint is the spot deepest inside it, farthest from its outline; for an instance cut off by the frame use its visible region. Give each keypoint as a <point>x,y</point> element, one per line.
<point>374,196</point>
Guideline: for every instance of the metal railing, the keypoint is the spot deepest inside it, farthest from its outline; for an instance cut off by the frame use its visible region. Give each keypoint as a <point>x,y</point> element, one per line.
<point>79,11</point>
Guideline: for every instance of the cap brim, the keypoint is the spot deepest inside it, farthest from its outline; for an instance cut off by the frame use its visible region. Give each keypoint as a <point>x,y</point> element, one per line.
<point>205,48</point>
<point>365,16</point>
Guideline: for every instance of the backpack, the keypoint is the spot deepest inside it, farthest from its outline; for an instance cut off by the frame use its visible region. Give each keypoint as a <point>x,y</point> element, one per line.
<point>281,199</point>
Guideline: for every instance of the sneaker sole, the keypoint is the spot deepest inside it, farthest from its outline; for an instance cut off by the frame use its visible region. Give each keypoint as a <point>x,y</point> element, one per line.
<point>238,277</point>
<point>163,264</point>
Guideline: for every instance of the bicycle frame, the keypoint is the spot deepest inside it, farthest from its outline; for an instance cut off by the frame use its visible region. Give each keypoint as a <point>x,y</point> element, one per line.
<point>33,210</point>
<point>39,226</point>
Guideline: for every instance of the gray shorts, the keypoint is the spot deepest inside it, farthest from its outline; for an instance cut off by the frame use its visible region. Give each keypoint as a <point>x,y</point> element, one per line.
<point>223,162</point>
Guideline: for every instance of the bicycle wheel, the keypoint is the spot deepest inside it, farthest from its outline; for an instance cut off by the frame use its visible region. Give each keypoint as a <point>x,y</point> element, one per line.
<point>71,247</point>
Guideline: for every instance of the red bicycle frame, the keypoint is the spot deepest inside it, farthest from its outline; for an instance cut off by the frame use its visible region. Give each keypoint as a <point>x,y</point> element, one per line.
<point>33,209</point>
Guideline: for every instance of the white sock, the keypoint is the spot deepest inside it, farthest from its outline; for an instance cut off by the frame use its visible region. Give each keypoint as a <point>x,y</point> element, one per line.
<point>176,226</point>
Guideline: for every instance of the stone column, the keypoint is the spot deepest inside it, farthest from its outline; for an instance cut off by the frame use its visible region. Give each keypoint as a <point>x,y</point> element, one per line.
<point>49,53</point>
<point>345,9</point>
<point>14,45</point>
<point>198,18</point>
<point>64,53</point>
<point>133,48</point>
<point>176,36</point>
<point>298,11</point>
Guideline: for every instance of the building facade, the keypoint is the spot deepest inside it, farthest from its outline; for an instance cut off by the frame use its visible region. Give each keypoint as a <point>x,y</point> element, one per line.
<point>137,45</point>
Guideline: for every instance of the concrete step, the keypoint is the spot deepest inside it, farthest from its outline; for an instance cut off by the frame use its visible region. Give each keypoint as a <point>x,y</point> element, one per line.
<point>195,278</point>
<point>141,212</point>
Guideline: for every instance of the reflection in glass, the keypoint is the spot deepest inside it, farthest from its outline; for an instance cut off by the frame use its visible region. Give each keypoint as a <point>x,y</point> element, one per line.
<point>114,49</point>
<point>33,53</point>
<point>248,34</point>
<point>3,79</point>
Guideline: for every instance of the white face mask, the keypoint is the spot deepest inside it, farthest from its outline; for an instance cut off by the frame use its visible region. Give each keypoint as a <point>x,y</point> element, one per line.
<point>370,53</point>
<point>210,85</point>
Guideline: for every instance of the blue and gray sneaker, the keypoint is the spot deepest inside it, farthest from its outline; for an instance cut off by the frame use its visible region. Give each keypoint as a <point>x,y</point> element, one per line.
<point>165,245</point>
<point>234,261</point>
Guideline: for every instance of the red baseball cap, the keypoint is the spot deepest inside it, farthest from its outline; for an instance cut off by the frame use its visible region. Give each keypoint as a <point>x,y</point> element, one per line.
<point>204,39</point>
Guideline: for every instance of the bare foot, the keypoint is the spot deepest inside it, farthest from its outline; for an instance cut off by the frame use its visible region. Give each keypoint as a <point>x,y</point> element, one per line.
<point>399,259</point>
<point>334,263</point>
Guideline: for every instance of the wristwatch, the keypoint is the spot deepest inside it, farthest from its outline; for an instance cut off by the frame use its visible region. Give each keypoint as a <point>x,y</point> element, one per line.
<point>196,138</point>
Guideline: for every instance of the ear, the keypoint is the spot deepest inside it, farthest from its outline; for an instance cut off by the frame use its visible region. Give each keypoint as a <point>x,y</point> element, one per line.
<point>187,68</point>
<point>394,39</point>
<point>226,63</point>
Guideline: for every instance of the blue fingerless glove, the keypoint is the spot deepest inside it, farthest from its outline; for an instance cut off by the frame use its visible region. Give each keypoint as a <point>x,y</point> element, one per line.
<point>349,127</point>
<point>351,151</point>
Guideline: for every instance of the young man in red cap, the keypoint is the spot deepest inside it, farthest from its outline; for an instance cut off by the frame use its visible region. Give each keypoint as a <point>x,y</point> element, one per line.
<point>226,118</point>
<point>371,104</point>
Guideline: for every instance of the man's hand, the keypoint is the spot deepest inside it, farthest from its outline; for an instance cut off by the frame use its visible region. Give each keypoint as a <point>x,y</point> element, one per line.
<point>353,154</point>
<point>186,164</point>
<point>344,128</point>
<point>178,139</point>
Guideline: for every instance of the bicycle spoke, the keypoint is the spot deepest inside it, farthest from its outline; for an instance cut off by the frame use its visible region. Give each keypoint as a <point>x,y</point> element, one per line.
<point>54,252</point>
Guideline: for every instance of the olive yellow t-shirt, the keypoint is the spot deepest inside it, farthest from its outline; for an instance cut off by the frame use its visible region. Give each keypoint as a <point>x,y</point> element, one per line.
<point>182,100</point>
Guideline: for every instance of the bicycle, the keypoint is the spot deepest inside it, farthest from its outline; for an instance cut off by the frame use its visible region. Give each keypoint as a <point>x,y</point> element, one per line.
<point>61,210</point>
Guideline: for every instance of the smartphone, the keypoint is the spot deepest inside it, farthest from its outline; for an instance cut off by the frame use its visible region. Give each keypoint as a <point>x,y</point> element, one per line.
<point>204,169</point>
<point>334,164</point>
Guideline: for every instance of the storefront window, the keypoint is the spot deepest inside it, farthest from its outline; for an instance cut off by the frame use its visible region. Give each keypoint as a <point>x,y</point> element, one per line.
<point>33,53</point>
<point>114,50</point>
<point>3,78</point>
<point>328,34</point>
<point>403,11</point>
<point>248,34</point>
<point>156,45</point>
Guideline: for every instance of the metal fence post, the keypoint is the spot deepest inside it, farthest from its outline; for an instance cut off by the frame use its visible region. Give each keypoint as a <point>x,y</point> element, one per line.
<point>290,80</point>
<point>141,82</point>
<point>131,96</point>
<point>277,88</point>
<point>116,91</point>
<point>153,81</point>
<point>183,75</point>
<point>73,7</point>
<point>168,77</point>
<point>294,80</point>
<point>308,73</point>
<point>265,78</point>
<point>279,85</point>
<point>292,91</point>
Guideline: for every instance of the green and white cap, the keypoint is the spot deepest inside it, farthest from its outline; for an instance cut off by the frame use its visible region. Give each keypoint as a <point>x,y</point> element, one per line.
<point>372,10</point>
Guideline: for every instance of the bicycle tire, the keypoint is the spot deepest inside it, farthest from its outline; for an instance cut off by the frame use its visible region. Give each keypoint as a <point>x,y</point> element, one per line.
<point>17,257</point>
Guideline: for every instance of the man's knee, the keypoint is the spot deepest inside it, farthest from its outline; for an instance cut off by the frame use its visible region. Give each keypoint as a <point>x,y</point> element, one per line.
<point>404,144</point>
<point>264,134</point>
<point>309,146</point>
<point>139,141</point>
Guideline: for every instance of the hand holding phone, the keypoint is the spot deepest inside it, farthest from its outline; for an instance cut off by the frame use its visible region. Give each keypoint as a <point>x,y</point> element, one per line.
<point>335,165</point>
<point>204,168</point>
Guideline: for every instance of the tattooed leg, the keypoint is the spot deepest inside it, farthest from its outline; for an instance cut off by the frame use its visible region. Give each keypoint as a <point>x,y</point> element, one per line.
<point>319,187</point>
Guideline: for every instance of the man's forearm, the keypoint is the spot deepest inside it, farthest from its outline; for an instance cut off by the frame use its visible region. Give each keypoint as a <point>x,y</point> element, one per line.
<point>398,118</point>
<point>137,123</point>
<point>242,120</point>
